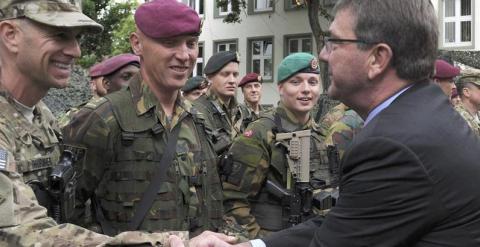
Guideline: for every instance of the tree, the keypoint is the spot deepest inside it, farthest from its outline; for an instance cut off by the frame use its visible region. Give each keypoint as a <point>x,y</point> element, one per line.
<point>111,15</point>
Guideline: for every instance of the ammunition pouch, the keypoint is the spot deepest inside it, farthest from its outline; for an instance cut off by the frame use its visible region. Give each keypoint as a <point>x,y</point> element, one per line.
<point>231,172</point>
<point>221,140</point>
<point>325,199</point>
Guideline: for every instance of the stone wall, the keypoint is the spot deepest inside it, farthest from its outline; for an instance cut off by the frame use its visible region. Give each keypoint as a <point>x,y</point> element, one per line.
<point>77,92</point>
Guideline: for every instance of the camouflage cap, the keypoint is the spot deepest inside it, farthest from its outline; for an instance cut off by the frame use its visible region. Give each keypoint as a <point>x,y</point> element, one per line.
<point>57,13</point>
<point>294,63</point>
<point>471,76</point>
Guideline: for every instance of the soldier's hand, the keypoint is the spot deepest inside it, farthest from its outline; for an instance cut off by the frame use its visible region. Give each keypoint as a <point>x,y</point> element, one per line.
<point>206,239</point>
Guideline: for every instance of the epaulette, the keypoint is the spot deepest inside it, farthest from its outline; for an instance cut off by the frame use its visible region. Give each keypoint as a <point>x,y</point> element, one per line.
<point>95,103</point>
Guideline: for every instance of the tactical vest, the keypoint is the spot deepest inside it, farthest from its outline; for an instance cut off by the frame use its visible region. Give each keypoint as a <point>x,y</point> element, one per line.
<point>37,146</point>
<point>191,196</point>
<point>223,130</point>
<point>269,210</point>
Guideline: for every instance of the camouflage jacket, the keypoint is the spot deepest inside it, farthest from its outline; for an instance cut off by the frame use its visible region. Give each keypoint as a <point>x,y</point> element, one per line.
<point>65,118</point>
<point>124,135</point>
<point>472,121</point>
<point>27,152</point>
<point>257,157</point>
<point>223,122</point>
<point>35,147</point>
<point>248,116</point>
<point>23,222</point>
<point>341,124</point>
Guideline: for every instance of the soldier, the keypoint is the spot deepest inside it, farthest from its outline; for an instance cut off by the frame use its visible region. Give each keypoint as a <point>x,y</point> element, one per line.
<point>340,125</point>
<point>195,87</point>
<point>150,165</point>
<point>468,87</point>
<point>262,181</point>
<point>224,119</point>
<point>444,76</point>
<point>107,77</point>
<point>251,85</point>
<point>38,45</point>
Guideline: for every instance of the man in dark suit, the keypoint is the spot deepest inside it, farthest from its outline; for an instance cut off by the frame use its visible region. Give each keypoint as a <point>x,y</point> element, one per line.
<point>410,178</point>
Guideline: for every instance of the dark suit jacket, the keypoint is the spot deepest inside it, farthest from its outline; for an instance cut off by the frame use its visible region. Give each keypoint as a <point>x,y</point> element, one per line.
<point>410,178</point>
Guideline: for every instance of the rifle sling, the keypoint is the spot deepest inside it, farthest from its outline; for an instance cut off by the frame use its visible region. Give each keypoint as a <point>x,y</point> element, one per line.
<point>150,194</point>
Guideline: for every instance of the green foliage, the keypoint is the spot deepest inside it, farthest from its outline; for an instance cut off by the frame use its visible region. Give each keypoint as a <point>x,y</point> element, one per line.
<point>121,36</point>
<point>111,15</point>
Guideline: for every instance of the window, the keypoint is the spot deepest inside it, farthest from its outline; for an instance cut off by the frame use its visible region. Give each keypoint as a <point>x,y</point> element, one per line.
<point>457,23</point>
<point>261,57</point>
<point>197,5</point>
<point>298,44</point>
<point>229,45</point>
<point>263,5</point>
<point>198,70</point>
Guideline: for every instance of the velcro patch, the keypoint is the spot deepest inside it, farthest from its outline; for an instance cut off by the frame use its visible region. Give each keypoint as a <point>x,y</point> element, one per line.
<point>3,159</point>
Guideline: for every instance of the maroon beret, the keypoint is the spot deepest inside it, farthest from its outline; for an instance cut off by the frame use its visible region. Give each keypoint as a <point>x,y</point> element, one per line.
<point>250,77</point>
<point>113,64</point>
<point>444,70</point>
<point>167,18</point>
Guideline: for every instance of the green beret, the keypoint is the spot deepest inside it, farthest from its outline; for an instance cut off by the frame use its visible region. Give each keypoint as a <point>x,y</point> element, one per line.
<point>297,63</point>
<point>219,60</point>
<point>193,83</point>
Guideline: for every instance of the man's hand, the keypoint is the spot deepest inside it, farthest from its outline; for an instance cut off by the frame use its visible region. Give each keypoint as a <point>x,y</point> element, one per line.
<point>207,239</point>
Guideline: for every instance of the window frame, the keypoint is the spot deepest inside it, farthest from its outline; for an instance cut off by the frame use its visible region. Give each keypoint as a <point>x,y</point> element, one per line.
<point>457,19</point>
<point>250,56</point>
<point>216,43</point>
<point>200,59</point>
<point>287,38</point>
<point>252,10</point>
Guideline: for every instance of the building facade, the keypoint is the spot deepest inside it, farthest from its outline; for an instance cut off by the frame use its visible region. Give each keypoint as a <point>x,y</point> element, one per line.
<point>269,31</point>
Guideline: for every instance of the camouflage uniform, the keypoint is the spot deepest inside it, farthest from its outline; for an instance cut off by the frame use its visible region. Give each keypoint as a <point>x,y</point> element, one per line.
<point>64,119</point>
<point>341,124</point>
<point>28,151</point>
<point>472,121</point>
<point>124,135</point>
<point>23,222</point>
<point>256,158</point>
<point>223,122</point>
<point>248,115</point>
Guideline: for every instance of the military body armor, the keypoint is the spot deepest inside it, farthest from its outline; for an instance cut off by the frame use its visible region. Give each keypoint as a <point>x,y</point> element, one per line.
<point>191,196</point>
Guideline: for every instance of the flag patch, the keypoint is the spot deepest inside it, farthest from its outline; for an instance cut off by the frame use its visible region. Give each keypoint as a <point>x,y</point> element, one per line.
<point>3,159</point>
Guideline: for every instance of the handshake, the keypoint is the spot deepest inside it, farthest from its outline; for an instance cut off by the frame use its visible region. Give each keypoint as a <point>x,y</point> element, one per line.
<point>206,239</point>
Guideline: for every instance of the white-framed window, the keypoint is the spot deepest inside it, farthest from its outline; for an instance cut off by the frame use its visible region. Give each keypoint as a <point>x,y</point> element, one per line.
<point>263,5</point>
<point>226,9</point>
<point>457,23</point>
<point>225,46</point>
<point>197,5</point>
<point>198,69</point>
<point>298,44</point>
<point>261,55</point>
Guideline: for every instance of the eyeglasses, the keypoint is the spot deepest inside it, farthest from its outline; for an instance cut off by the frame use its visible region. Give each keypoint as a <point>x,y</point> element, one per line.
<point>328,42</point>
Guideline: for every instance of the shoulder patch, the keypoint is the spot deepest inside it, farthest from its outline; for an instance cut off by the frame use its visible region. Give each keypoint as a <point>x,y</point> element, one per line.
<point>3,159</point>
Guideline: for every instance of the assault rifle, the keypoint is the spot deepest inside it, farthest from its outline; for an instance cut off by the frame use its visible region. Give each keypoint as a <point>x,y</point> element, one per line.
<point>296,203</point>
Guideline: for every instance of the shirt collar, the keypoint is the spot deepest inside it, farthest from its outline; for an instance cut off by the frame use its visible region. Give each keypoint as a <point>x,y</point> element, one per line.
<point>383,105</point>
